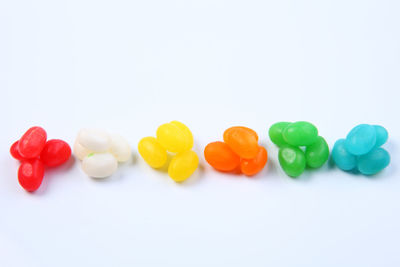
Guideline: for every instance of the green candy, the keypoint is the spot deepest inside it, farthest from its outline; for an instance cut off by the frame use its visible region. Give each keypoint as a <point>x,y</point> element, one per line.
<point>300,133</point>
<point>275,133</point>
<point>292,160</point>
<point>317,154</point>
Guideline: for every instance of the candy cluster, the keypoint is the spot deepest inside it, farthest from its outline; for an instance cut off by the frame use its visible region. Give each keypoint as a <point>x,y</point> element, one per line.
<point>100,152</point>
<point>299,146</point>
<point>173,139</point>
<point>240,152</point>
<point>35,152</point>
<point>361,150</point>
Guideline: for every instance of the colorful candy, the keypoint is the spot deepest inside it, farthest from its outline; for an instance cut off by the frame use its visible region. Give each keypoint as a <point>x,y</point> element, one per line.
<point>289,137</point>
<point>100,152</point>
<point>361,150</point>
<point>240,152</point>
<point>35,154</point>
<point>174,137</point>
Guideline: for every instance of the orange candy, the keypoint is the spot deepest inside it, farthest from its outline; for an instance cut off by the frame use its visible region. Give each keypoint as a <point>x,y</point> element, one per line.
<point>221,157</point>
<point>253,166</point>
<point>243,141</point>
<point>240,153</point>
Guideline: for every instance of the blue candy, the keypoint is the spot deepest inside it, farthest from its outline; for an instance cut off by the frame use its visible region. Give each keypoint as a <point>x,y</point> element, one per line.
<point>343,159</point>
<point>361,139</point>
<point>381,135</point>
<point>374,161</point>
<point>361,150</point>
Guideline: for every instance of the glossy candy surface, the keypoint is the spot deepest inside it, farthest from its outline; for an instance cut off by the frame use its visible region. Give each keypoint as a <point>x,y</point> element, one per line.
<point>361,150</point>
<point>152,152</point>
<point>292,160</point>
<point>55,153</point>
<point>361,139</point>
<point>243,141</point>
<point>100,152</point>
<point>220,156</point>
<point>290,137</point>
<point>275,133</point>
<point>35,153</point>
<point>176,138</point>
<point>300,133</point>
<point>32,142</point>
<point>343,159</point>
<point>253,166</point>
<point>30,174</point>
<point>239,153</point>
<point>15,152</point>
<point>183,165</point>
<point>317,153</point>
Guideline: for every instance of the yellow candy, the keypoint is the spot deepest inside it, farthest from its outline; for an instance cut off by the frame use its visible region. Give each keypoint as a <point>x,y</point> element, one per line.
<point>152,152</point>
<point>175,137</point>
<point>183,165</point>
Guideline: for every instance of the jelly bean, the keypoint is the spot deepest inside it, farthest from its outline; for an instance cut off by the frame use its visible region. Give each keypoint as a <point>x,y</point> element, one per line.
<point>80,151</point>
<point>32,142</point>
<point>30,174</point>
<point>175,137</point>
<point>243,141</point>
<point>317,154</point>
<point>152,152</point>
<point>300,133</point>
<point>292,160</point>
<point>275,133</point>
<point>99,165</point>
<point>373,162</point>
<point>220,156</point>
<point>342,158</point>
<point>229,131</point>
<point>94,140</point>
<point>14,151</point>
<point>55,153</point>
<point>253,166</point>
<point>361,139</point>
<point>183,165</point>
<point>381,135</point>
<point>120,148</point>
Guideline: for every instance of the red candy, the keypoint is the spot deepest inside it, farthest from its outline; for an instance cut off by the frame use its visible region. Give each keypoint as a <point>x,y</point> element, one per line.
<point>32,142</point>
<point>55,153</point>
<point>30,174</point>
<point>35,153</point>
<point>15,152</point>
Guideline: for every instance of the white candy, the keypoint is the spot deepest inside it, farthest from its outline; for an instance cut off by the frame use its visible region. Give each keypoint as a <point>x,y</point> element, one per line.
<point>80,151</point>
<point>120,148</point>
<point>94,140</point>
<point>99,165</point>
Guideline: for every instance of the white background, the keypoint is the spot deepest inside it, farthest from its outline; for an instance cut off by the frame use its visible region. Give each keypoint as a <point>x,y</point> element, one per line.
<point>129,66</point>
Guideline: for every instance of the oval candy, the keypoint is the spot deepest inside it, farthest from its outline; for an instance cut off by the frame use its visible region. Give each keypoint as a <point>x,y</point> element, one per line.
<point>175,137</point>
<point>300,133</point>
<point>317,154</point>
<point>30,174</point>
<point>275,133</point>
<point>243,141</point>
<point>183,165</point>
<point>253,166</point>
<point>152,152</point>
<point>342,158</point>
<point>55,153</point>
<point>292,160</point>
<point>94,140</point>
<point>221,157</point>
<point>361,139</point>
<point>32,142</point>
<point>99,165</point>
<point>374,161</point>
<point>120,148</point>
